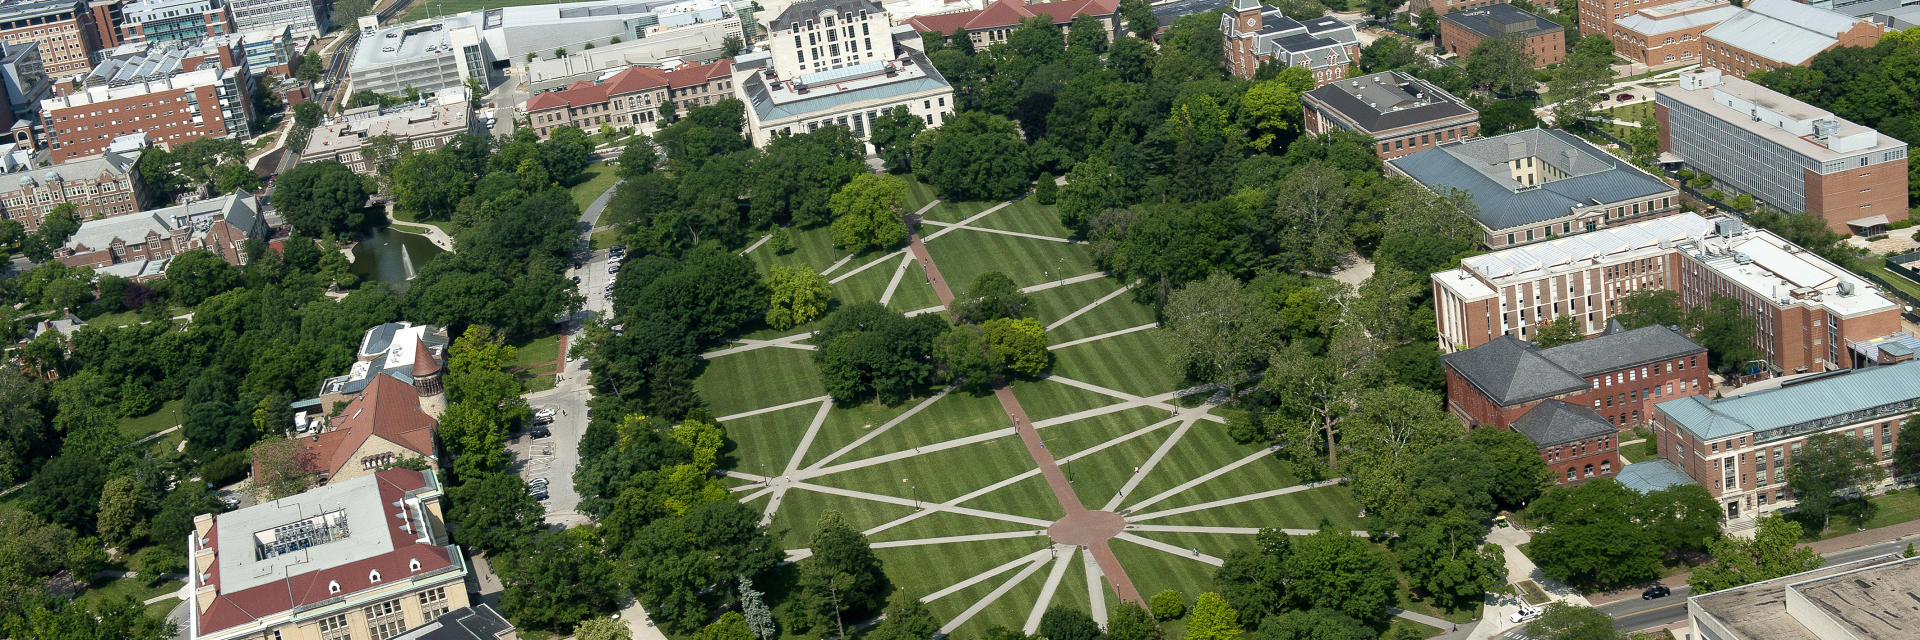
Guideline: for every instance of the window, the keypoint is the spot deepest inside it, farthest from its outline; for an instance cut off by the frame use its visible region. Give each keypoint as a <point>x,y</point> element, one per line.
<point>333,586</point>
<point>385,620</point>
<point>373,576</point>
<point>335,628</point>
<point>433,602</point>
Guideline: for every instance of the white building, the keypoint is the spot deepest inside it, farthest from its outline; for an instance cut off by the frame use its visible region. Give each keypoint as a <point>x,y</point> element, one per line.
<point>307,17</point>
<point>837,62</point>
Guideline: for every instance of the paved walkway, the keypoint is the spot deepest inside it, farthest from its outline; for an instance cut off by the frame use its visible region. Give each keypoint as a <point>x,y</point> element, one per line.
<point>1103,336</point>
<point>1056,480</point>
<point>1090,306</point>
<point>743,345</point>
<point>1004,232</point>
<point>1494,616</point>
<point>1064,282</point>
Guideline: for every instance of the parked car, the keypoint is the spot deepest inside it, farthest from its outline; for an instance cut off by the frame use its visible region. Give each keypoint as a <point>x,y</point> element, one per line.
<point>541,431</point>
<point>540,495</point>
<point>537,482</point>
<point>1624,97</point>
<point>1658,591</point>
<point>1526,613</point>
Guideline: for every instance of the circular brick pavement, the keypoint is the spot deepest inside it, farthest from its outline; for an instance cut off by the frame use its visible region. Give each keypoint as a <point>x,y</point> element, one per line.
<point>1086,527</point>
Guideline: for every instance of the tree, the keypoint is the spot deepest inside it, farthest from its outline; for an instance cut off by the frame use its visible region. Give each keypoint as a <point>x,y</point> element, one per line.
<point>1647,308</point>
<point>196,275</point>
<point>1086,34</point>
<point>733,45</point>
<point>754,607</point>
<point>286,467</point>
<point>1045,190</point>
<point>66,491</point>
<point>1383,9</point>
<point>493,512</point>
<point>1680,518</point>
<point>1271,109</point>
<point>1428,22</point>
<point>638,158</point>
<point>1315,395</point>
<point>1832,463</point>
<point>1219,330</point>
<point>1129,621</point>
<point>1580,82</point>
<point>1167,605</point>
<point>1769,554</point>
<point>1724,329</point>
<point>867,213</point>
<point>842,576</point>
<point>1093,186</point>
<point>1212,619</point>
<point>1562,330</point>
<point>1645,141</point>
<point>730,626</point>
<point>1507,116</point>
<point>1502,65</point>
<point>308,114</point>
<point>55,228</point>
<point>61,618</point>
<point>991,295</point>
<point>1390,53</point>
<point>603,629</point>
<point>1333,569</point>
<point>975,156</point>
<point>1443,558</point>
<point>1562,621</point>
<point>1584,541</point>
<point>430,184</point>
<point>123,513</point>
<point>960,358</point>
<point>156,561</point>
<point>347,12</point>
<point>1314,624</point>
<point>1019,346</point>
<point>1906,454</point>
<point>1062,622</point>
<point>1139,17</point>
<point>310,68</point>
<point>1392,432</point>
<point>799,296</point>
<point>556,580</point>
<point>321,199</point>
<point>892,137</point>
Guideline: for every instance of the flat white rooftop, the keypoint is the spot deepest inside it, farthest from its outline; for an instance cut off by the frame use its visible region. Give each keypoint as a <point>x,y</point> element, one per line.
<point>1769,267</point>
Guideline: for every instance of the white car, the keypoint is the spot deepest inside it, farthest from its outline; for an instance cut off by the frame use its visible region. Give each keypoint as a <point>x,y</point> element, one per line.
<point>1526,613</point>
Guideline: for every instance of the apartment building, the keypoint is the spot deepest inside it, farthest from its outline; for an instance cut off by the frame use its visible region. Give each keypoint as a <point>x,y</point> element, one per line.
<point>1257,34</point>
<point>64,29</point>
<point>699,85</point>
<point>174,20</point>
<point>1545,41</point>
<point>1442,7</point>
<point>790,89</point>
<point>1618,375</point>
<point>108,15</point>
<point>1539,184</point>
<point>1740,448</point>
<point>1598,16</point>
<point>362,558</point>
<point>1402,114</point>
<point>138,246</point>
<point>992,24</point>
<point>172,91</point>
<point>1769,34</point>
<point>1787,153</point>
<point>307,18</point>
<point>418,128</point>
<point>98,187</point>
<point>1805,309</point>
<point>1668,34</point>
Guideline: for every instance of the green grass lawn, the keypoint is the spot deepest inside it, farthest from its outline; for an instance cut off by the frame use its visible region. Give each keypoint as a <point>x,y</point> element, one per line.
<point>121,319</point>
<point>420,10</point>
<point>1899,281</point>
<point>758,379</point>
<point>136,588</point>
<point>964,254</point>
<point>167,416</point>
<point>599,178</point>
<point>1134,363</point>
<point>538,351</point>
<point>1629,113</point>
<point>1120,312</point>
<point>764,443</point>
<point>1027,215</point>
<point>1894,508</point>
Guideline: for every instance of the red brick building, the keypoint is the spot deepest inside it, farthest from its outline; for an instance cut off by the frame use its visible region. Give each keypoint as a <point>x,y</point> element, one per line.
<point>1618,375</point>
<point>1258,34</point>
<point>98,187</point>
<point>992,25</point>
<point>138,246</point>
<point>1598,16</point>
<point>172,92</point>
<point>1769,34</point>
<point>65,30</point>
<point>1575,443</point>
<point>1667,34</point>
<point>1544,40</point>
<point>1442,7</point>
<point>1401,113</point>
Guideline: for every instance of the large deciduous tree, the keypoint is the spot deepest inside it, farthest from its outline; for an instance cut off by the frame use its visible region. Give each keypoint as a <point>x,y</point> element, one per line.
<point>321,199</point>
<point>975,156</point>
<point>1212,619</point>
<point>1650,307</point>
<point>1830,464</point>
<point>1771,552</point>
<point>867,213</point>
<point>1220,330</point>
<point>492,512</point>
<point>1585,542</point>
<point>991,295</point>
<point>799,296</point>
<point>1563,621</point>
<point>1336,570</point>
<point>843,577</point>
<point>1501,64</point>
<point>555,580</point>
<point>892,137</point>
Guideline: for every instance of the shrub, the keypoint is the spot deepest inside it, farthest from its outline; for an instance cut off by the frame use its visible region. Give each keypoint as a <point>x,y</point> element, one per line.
<point>227,469</point>
<point>1167,605</point>
<point>153,562</point>
<point>1046,190</point>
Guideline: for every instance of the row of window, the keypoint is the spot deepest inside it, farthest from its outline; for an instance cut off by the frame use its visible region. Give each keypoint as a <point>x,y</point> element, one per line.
<point>1425,139</point>
<point>1606,468</point>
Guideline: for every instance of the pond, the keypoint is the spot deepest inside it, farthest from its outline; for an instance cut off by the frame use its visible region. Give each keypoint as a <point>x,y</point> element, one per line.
<point>392,256</point>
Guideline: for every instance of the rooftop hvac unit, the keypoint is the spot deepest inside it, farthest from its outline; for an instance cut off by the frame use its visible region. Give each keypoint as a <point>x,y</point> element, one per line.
<point>1825,128</point>
<point>1846,288</point>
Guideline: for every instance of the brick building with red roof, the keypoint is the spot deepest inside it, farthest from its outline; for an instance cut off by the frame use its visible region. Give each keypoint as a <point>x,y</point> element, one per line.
<point>995,22</point>
<point>388,403</point>
<point>363,558</point>
<point>630,98</point>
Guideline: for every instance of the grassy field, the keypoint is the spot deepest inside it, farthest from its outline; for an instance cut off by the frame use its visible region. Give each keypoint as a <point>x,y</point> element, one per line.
<point>538,351</point>
<point>136,588</point>
<point>599,177</point>
<point>1900,282</point>
<point>167,416</point>
<point>1629,113</point>
<point>421,10</point>
<point>1893,508</point>
<point>961,445</point>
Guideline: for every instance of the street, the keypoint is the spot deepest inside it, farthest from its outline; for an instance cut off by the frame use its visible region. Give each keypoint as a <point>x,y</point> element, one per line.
<point>1634,614</point>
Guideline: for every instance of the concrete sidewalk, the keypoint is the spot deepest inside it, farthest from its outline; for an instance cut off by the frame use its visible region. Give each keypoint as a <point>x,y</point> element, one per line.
<point>1494,618</point>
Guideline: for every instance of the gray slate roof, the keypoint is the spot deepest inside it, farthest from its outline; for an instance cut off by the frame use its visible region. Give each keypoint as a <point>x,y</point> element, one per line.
<point>478,622</point>
<point>801,11</point>
<point>1510,371</point>
<point>1652,475</point>
<point>1386,100</point>
<point>1832,396</point>
<point>1557,422</point>
<point>241,210</point>
<point>1475,166</point>
<point>86,169</point>
<point>1621,350</point>
<point>1502,19</point>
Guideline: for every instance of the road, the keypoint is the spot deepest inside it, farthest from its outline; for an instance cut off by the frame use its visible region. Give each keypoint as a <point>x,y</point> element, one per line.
<point>1637,614</point>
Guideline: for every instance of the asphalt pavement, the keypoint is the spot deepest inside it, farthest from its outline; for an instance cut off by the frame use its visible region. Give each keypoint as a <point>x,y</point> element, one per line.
<point>1635,614</point>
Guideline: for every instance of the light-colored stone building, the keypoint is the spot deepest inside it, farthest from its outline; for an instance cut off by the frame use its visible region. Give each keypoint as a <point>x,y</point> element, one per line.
<point>418,128</point>
<point>99,186</point>
<point>799,87</point>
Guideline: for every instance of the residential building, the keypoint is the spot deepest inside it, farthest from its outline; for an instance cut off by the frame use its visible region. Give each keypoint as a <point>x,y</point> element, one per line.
<point>1668,34</point>
<point>420,128</point>
<point>1805,308</point>
<point>1740,448</point>
<point>1545,41</point>
<point>99,186</point>
<point>1769,34</point>
<point>1787,153</point>
<point>1857,600</point>
<point>1442,7</point>
<point>1598,16</point>
<point>362,558</point>
<point>997,20</point>
<point>790,89</point>
<point>429,55</point>
<point>1539,184</point>
<point>138,246</point>
<point>1576,444</point>
<point>1402,114</point>
<point>1620,375</point>
<point>1257,34</point>
<point>172,91</point>
<point>307,18</point>
<point>64,29</point>
<point>174,20</point>
<point>479,622</point>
